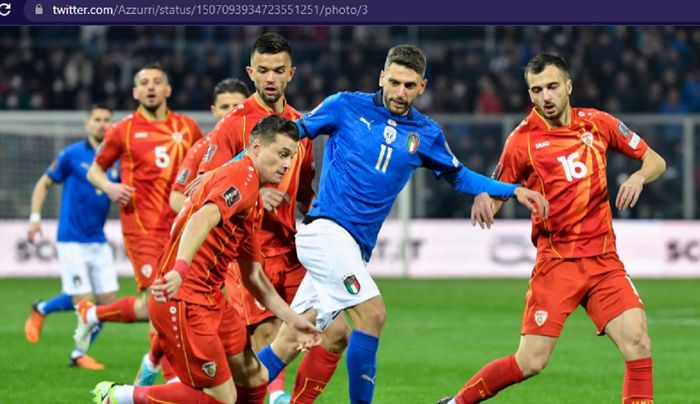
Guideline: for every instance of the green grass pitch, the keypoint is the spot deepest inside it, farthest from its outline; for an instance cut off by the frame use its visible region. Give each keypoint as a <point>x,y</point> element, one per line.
<point>438,333</point>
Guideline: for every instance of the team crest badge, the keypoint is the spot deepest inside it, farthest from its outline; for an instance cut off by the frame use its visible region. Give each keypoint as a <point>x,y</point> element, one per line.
<point>182,175</point>
<point>177,137</point>
<point>209,368</point>
<point>540,317</point>
<point>351,284</point>
<point>231,196</point>
<point>587,139</point>
<point>412,142</point>
<point>146,270</point>
<point>389,134</point>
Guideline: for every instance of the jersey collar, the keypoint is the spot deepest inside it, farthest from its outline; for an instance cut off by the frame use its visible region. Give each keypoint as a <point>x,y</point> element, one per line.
<point>265,107</point>
<point>378,101</point>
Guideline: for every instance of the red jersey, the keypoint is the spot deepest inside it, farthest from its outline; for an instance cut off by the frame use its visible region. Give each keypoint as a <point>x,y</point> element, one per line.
<point>188,169</point>
<point>150,153</point>
<point>231,136</point>
<point>234,189</point>
<point>568,166</point>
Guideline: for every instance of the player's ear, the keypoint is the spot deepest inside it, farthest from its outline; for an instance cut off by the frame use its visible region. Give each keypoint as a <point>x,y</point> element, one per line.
<point>423,84</point>
<point>249,70</point>
<point>168,90</point>
<point>292,71</point>
<point>213,109</point>
<point>569,86</point>
<point>381,78</point>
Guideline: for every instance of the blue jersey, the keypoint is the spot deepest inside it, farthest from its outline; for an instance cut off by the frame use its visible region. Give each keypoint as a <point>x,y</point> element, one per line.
<point>84,208</point>
<point>370,156</point>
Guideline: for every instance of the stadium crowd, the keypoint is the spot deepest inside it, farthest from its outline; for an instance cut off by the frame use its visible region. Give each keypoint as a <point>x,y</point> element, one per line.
<point>475,70</point>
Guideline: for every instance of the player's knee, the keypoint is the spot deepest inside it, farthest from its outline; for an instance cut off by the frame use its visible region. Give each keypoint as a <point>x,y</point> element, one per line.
<point>141,308</point>
<point>637,344</point>
<point>337,336</point>
<point>532,364</point>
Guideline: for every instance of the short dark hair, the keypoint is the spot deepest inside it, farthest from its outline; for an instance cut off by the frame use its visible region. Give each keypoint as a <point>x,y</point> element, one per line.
<point>537,64</point>
<point>271,43</point>
<point>98,105</point>
<point>270,126</point>
<point>230,85</point>
<point>154,66</point>
<point>408,56</point>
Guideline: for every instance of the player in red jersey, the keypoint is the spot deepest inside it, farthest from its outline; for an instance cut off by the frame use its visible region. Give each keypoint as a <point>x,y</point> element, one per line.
<point>203,336</point>
<point>228,94</point>
<point>561,151</point>
<point>150,144</point>
<point>270,71</point>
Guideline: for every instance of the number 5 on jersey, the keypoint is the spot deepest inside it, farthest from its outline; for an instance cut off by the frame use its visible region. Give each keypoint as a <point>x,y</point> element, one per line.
<point>162,157</point>
<point>384,157</point>
<point>572,167</point>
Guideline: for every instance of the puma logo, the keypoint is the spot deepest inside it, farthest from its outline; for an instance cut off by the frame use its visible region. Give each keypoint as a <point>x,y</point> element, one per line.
<point>369,379</point>
<point>368,123</point>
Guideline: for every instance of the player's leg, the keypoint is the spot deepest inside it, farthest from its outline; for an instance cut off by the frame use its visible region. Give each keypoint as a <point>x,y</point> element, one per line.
<point>617,310</point>
<point>555,290</point>
<point>111,393</point>
<point>318,365</point>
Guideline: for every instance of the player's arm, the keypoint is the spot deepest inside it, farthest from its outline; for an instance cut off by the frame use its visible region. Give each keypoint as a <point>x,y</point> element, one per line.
<point>176,200</point>
<point>256,282</point>
<point>117,192</point>
<point>38,198</point>
<point>653,165</point>
<point>193,235</point>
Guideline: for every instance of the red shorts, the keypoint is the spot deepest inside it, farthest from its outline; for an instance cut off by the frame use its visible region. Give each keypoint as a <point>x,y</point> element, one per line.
<point>198,340</point>
<point>600,284</point>
<point>285,272</point>
<point>144,252</point>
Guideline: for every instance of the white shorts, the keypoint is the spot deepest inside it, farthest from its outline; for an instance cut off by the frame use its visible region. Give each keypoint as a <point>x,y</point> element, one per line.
<point>87,268</point>
<point>336,275</point>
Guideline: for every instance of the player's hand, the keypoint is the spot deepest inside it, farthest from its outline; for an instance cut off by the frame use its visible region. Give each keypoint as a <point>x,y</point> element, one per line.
<point>193,185</point>
<point>309,336</point>
<point>533,200</point>
<point>34,232</point>
<point>119,193</point>
<point>482,211</point>
<point>629,192</point>
<point>273,197</point>
<point>164,288</point>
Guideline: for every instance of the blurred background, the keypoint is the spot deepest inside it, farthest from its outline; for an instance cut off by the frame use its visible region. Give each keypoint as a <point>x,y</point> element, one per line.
<point>648,76</point>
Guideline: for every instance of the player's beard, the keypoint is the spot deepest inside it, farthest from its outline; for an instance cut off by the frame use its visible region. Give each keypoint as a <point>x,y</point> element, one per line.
<point>152,108</point>
<point>387,104</point>
<point>270,99</point>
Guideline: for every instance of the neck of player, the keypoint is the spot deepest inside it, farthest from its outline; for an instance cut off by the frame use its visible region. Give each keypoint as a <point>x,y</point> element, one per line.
<point>563,120</point>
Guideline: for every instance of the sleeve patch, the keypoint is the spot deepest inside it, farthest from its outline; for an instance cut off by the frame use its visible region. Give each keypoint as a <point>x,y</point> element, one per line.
<point>624,131</point>
<point>231,196</point>
<point>210,153</point>
<point>182,175</point>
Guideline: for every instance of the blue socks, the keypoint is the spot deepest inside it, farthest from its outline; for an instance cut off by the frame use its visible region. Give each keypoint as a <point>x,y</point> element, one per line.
<point>271,361</point>
<point>61,302</point>
<point>361,361</point>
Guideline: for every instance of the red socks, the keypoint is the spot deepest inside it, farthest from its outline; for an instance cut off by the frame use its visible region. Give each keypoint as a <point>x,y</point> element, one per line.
<point>121,311</point>
<point>251,395</point>
<point>491,379</point>
<point>277,384</point>
<point>638,387</point>
<point>315,370</point>
<point>171,393</point>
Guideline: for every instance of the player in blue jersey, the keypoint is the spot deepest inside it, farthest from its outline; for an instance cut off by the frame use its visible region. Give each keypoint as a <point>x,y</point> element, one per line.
<point>375,143</point>
<point>85,257</point>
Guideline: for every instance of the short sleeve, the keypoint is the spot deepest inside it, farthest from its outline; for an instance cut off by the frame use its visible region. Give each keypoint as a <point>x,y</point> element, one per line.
<point>225,141</point>
<point>322,120</point>
<point>228,192</point>
<point>250,248</point>
<point>111,148</point>
<point>621,138</point>
<point>188,169</point>
<point>59,168</point>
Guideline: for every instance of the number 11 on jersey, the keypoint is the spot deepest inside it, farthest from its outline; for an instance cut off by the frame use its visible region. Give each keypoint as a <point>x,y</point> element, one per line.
<point>384,157</point>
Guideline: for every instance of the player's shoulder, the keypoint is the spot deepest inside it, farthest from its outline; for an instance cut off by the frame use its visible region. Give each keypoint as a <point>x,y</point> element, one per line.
<point>121,124</point>
<point>591,114</point>
<point>354,97</point>
<point>183,117</point>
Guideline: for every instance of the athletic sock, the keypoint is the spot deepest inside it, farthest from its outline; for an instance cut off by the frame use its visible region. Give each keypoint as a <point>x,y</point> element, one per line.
<point>170,393</point>
<point>252,395</point>
<point>638,386</point>
<point>61,302</point>
<point>272,362</point>
<point>121,311</point>
<point>491,379</point>
<point>315,370</point>
<point>361,361</point>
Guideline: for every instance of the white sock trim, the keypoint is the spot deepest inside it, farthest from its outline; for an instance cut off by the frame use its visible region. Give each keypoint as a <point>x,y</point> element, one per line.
<point>124,394</point>
<point>91,316</point>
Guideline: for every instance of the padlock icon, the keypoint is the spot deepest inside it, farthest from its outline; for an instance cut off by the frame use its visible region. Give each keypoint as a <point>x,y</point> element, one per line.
<point>38,9</point>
